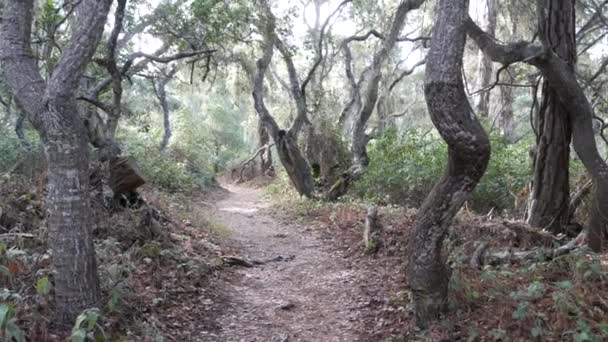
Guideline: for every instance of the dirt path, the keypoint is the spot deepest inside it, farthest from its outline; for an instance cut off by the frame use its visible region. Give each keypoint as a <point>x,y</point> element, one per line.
<point>309,293</point>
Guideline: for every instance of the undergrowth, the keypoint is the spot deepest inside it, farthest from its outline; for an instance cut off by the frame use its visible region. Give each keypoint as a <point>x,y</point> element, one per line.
<point>405,166</point>
<point>145,255</point>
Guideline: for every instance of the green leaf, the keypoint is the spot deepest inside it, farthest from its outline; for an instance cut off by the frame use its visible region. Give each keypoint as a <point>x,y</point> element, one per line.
<point>565,285</point>
<point>43,286</point>
<point>78,335</point>
<point>6,313</point>
<point>14,333</point>
<point>521,311</point>
<point>583,336</point>
<point>603,328</point>
<point>6,272</point>
<point>92,318</point>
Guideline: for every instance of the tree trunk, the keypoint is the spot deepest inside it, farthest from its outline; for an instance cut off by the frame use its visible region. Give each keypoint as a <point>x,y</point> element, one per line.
<point>506,117</point>
<point>549,197</point>
<point>286,142</point>
<point>51,108</point>
<point>485,63</point>
<point>160,88</point>
<point>562,78</point>
<point>360,159</point>
<point>468,155</point>
<point>70,224</point>
<point>359,138</point>
<point>266,156</point>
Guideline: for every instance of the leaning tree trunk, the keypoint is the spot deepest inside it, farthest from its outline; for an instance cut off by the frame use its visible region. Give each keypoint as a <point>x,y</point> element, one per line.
<point>286,142</point>
<point>580,113</point>
<point>51,108</point>
<point>485,63</point>
<point>360,139</point>
<point>468,155</point>
<point>562,78</point>
<point>160,88</point>
<point>549,197</point>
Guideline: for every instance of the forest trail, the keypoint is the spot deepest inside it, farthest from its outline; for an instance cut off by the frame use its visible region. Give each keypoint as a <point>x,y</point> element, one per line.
<point>307,292</point>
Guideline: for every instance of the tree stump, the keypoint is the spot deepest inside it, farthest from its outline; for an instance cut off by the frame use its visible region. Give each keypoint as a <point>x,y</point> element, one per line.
<point>125,175</point>
<point>371,233</point>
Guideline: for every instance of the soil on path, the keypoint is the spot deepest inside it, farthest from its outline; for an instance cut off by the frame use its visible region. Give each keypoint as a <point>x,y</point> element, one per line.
<point>308,292</point>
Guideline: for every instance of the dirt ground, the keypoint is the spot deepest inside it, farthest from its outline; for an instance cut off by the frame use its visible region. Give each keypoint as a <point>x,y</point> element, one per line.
<point>306,290</point>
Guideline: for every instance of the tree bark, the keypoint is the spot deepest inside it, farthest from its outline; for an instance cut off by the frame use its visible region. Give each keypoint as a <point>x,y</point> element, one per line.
<point>359,138</point>
<point>286,142</point>
<point>266,156</point>
<point>160,88</point>
<point>506,120</point>
<point>51,107</point>
<point>485,63</point>
<point>468,155</point>
<point>560,75</point>
<point>549,196</point>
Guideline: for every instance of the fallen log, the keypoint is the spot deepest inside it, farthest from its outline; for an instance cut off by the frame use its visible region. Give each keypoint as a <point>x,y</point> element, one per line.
<point>371,233</point>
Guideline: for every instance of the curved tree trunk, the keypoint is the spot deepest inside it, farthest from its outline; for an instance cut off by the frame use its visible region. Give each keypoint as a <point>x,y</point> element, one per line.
<point>468,155</point>
<point>485,63</point>
<point>160,88</point>
<point>370,97</point>
<point>549,197</point>
<point>286,142</point>
<point>562,78</point>
<point>359,141</point>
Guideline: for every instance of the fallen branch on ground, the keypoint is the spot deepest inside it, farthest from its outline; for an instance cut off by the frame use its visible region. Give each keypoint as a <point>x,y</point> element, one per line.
<point>484,256</point>
<point>17,235</point>
<point>239,261</point>
<point>250,160</point>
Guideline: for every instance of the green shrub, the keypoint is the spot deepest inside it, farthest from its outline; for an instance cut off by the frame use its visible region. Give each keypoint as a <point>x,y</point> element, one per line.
<point>172,169</point>
<point>405,167</point>
<point>10,149</point>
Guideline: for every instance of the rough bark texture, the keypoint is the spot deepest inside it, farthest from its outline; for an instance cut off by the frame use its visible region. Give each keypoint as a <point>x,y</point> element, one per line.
<point>371,232</point>
<point>266,156</point>
<point>560,75</point>
<point>550,186</point>
<point>468,155</point>
<point>286,142</point>
<point>485,63</point>
<point>51,107</point>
